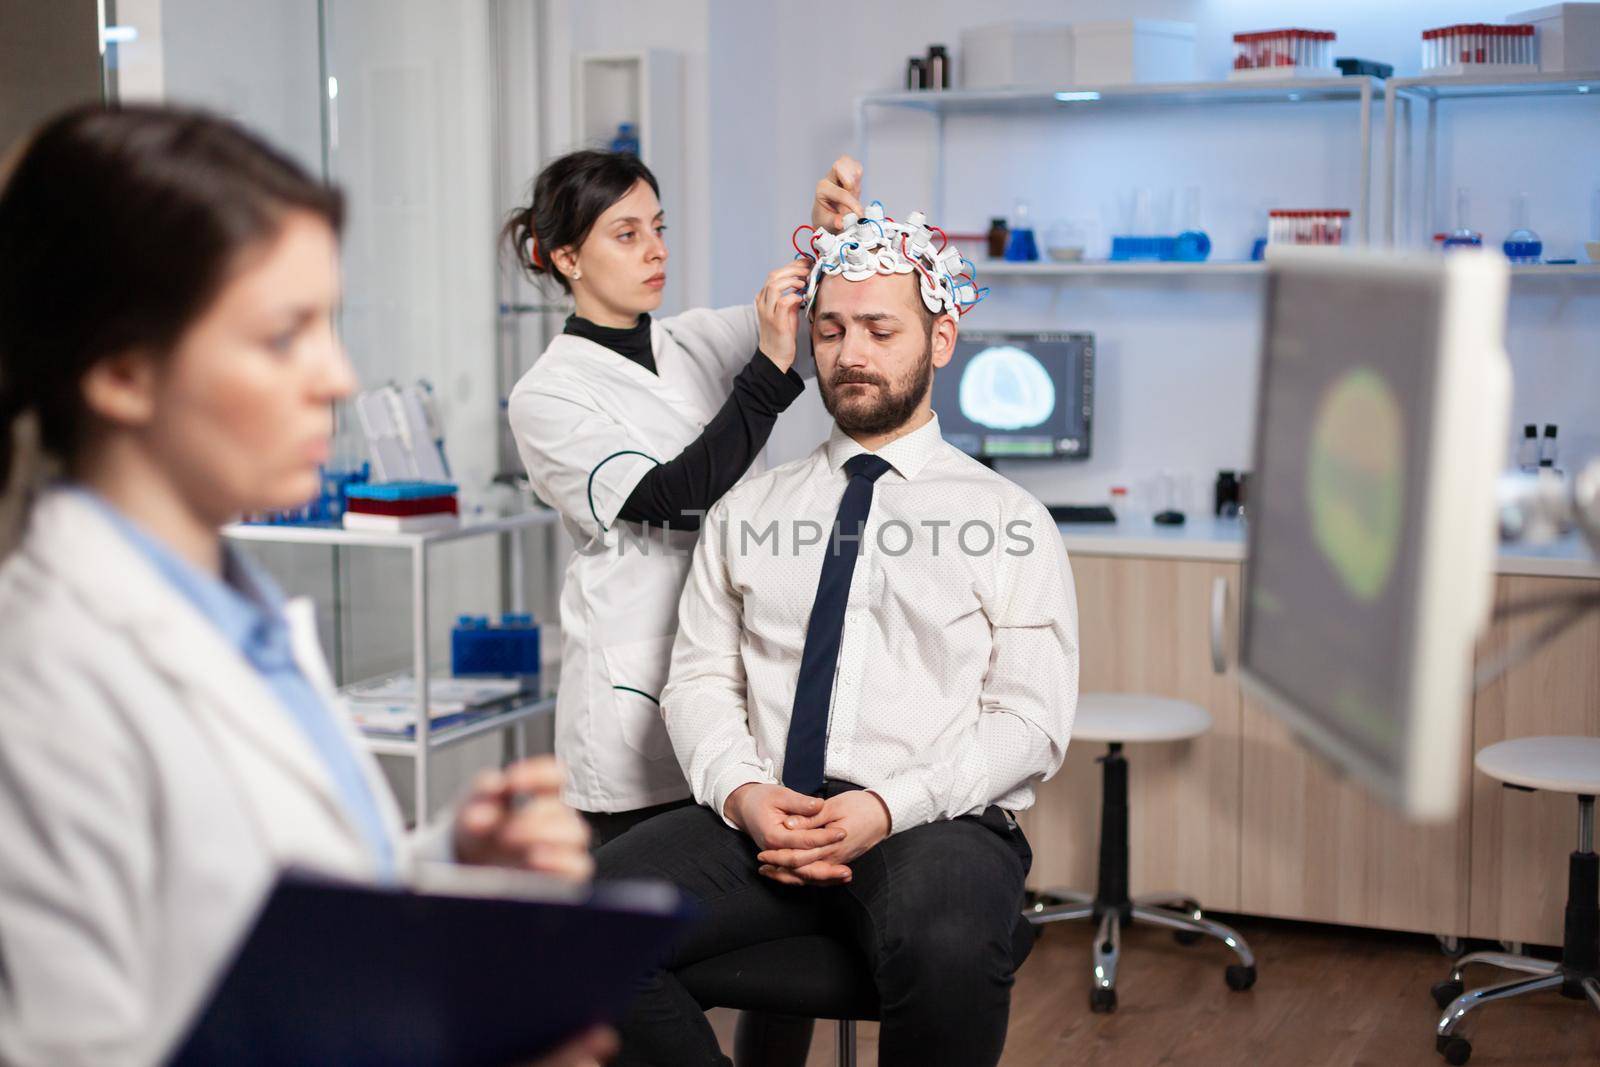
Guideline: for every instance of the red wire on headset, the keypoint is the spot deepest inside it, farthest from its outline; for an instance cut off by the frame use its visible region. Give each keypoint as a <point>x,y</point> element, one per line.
<point>813,242</point>
<point>943,240</point>
<point>920,268</point>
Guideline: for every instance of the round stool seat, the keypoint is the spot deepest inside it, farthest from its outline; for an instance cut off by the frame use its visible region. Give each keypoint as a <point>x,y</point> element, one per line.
<point>1133,717</point>
<point>1561,764</point>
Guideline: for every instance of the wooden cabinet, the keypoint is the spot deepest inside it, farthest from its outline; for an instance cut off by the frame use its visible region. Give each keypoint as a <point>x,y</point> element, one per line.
<point>1144,626</point>
<point>1245,819</point>
<point>1317,847</point>
<point>1520,841</point>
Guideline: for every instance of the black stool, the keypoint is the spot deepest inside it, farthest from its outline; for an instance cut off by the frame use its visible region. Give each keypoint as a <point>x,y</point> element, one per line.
<point>1115,718</point>
<point>818,977</point>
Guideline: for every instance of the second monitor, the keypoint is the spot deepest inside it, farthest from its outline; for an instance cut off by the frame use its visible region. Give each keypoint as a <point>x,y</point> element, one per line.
<point>1018,395</point>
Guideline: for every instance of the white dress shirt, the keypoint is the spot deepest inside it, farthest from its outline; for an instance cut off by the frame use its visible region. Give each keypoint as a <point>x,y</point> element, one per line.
<point>957,676</point>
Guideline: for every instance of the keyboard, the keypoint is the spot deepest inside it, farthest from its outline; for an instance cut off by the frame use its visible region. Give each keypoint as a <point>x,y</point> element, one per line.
<point>1082,513</point>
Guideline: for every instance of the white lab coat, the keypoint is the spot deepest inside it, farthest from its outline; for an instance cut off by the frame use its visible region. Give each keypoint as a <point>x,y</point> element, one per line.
<point>580,404</point>
<point>151,787</point>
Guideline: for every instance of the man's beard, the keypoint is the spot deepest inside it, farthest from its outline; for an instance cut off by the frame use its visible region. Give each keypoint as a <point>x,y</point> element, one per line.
<point>891,408</point>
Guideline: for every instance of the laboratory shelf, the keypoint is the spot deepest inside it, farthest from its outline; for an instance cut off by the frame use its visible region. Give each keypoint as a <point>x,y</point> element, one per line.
<point>941,104</point>
<point>1589,271</point>
<point>1467,86</point>
<point>450,735</point>
<point>1000,268</point>
<point>1042,270</point>
<point>1429,92</point>
<point>1156,95</point>
<point>338,535</point>
<point>420,546</point>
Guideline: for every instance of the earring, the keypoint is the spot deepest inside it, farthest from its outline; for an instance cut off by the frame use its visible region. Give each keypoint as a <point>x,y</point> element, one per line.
<point>577,274</point>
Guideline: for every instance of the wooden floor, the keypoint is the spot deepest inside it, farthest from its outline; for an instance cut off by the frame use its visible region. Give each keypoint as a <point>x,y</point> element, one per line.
<point>1325,995</point>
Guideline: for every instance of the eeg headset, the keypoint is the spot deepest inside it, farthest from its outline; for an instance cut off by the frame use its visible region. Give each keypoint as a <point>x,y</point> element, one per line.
<point>877,244</point>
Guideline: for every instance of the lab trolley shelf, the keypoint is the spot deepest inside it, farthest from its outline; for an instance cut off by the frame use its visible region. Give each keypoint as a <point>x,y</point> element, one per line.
<point>450,735</point>
<point>1071,99</point>
<point>338,535</point>
<point>1430,91</point>
<point>420,546</point>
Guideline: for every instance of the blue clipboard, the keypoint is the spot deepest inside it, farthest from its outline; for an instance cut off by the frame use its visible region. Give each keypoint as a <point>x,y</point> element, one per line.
<point>475,967</point>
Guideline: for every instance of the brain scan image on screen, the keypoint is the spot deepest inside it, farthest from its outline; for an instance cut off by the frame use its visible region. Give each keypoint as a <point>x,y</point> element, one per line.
<point>1006,388</point>
<point>1355,485</point>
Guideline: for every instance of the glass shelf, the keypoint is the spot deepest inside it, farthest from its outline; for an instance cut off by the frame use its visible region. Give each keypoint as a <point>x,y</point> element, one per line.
<point>1097,269</point>
<point>1167,94</point>
<point>338,535</point>
<point>1100,268</point>
<point>1469,86</point>
<point>444,737</point>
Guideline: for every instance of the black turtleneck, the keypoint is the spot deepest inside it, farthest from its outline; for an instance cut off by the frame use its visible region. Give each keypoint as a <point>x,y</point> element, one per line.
<point>675,491</point>
<point>632,342</point>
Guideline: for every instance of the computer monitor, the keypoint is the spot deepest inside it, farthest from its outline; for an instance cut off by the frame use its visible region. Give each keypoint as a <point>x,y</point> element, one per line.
<point>1381,428</point>
<point>1018,395</point>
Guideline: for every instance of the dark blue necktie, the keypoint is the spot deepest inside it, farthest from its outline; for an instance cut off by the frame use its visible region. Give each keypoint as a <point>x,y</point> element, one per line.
<point>804,755</point>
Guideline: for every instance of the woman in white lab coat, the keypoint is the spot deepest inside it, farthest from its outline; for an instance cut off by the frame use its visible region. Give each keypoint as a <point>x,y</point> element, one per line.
<point>632,428</point>
<point>169,739</point>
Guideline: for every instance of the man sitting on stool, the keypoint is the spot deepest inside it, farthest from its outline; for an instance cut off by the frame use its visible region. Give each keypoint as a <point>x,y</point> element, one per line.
<point>877,654</point>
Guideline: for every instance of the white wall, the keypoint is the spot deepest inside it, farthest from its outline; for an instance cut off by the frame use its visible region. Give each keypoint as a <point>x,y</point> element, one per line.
<point>411,141</point>
<point>1177,357</point>
<point>575,26</point>
<point>254,62</point>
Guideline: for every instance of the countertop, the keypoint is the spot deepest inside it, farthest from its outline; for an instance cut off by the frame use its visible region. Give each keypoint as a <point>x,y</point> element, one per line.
<point>1204,537</point>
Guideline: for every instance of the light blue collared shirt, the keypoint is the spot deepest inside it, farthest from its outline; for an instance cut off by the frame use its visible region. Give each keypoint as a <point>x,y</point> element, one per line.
<point>247,607</point>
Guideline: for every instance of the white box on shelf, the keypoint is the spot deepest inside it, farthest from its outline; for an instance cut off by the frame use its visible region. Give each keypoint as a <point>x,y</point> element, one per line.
<point>1273,74</point>
<point>1010,54</point>
<point>443,520</point>
<point>1125,51</point>
<point>1467,70</point>
<point>1569,36</point>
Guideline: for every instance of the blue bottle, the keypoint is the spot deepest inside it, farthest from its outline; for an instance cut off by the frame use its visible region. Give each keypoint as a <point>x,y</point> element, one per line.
<point>1193,247</point>
<point>1522,245</point>
<point>1021,246</point>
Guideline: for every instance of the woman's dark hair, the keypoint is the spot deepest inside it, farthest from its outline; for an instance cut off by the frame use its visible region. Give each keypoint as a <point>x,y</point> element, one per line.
<point>118,228</point>
<point>568,197</point>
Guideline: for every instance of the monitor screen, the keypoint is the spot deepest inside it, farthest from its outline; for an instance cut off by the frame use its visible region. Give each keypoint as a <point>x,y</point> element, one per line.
<point>1018,395</point>
<point>1336,505</point>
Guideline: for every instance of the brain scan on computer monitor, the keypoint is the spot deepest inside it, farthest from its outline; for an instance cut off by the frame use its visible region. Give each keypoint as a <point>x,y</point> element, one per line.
<point>1018,395</point>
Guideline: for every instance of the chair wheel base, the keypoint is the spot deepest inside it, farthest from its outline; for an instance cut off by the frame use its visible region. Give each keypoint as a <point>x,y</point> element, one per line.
<point>1240,977</point>
<point>1102,1001</point>
<point>1455,1050</point>
<point>1445,992</point>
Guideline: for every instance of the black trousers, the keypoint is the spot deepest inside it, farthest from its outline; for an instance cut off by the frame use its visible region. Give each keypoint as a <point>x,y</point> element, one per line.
<point>761,1039</point>
<point>609,825</point>
<point>933,910</point>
